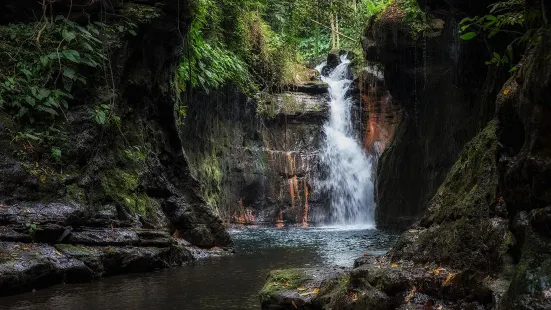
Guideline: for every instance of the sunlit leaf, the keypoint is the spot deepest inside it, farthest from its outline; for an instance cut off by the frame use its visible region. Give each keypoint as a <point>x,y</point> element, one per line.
<point>468,36</point>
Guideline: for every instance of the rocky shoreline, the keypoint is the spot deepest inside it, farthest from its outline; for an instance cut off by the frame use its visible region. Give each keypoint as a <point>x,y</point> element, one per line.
<point>43,245</point>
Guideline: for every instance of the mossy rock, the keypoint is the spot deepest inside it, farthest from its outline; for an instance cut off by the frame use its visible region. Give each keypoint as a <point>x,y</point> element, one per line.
<point>122,187</point>
<point>283,279</point>
<point>461,218</point>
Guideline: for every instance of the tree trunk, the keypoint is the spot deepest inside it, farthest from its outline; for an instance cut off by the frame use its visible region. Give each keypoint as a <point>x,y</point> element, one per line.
<point>333,34</point>
<point>337,31</point>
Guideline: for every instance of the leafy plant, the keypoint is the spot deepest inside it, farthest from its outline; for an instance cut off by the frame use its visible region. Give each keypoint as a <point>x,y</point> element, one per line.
<point>104,114</point>
<point>510,17</point>
<point>416,18</point>
<point>43,65</point>
<point>55,153</point>
<point>32,228</point>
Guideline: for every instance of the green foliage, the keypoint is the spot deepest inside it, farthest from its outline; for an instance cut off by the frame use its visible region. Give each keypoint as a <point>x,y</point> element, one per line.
<point>41,63</point>
<point>209,66</point>
<point>416,18</point>
<point>509,17</point>
<point>43,136</point>
<point>135,153</point>
<point>32,228</point>
<point>257,44</point>
<point>55,152</point>
<point>104,114</point>
<point>208,62</point>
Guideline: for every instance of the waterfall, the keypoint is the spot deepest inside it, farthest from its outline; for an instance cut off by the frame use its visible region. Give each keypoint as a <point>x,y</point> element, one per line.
<point>348,169</point>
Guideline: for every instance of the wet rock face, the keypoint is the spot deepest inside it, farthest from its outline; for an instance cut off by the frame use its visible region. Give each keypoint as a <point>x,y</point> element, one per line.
<point>379,114</point>
<point>438,81</point>
<point>260,166</point>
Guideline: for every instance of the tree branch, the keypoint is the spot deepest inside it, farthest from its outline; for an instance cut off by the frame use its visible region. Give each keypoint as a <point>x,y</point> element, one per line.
<point>340,33</point>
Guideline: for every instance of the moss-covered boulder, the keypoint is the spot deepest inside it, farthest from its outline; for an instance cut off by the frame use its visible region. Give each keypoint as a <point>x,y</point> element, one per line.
<point>295,288</point>
<point>464,216</point>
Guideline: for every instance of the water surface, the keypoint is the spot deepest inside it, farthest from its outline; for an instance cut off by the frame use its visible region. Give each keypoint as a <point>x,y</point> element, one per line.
<point>221,283</point>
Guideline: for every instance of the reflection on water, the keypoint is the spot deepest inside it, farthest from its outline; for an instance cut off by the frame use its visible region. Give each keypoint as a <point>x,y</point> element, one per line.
<point>220,283</point>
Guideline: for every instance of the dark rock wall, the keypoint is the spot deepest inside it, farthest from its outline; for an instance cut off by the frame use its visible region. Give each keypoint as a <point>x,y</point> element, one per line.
<point>123,198</point>
<point>445,91</point>
<point>524,163</point>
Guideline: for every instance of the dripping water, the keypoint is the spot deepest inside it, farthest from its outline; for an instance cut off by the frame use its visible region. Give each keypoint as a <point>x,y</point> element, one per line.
<point>348,180</point>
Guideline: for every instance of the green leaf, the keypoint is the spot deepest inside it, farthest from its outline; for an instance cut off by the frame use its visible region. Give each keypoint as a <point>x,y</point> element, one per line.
<point>44,60</point>
<point>100,117</point>
<point>56,153</point>
<point>68,84</point>
<point>22,111</point>
<point>68,35</point>
<point>30,101</point>
<point>31,136</point>
<point>491,18</point>
<point>494,32</point>
<point>468,36</point>
<point>43,93</point>
<point>26,72</point>
<point>71,55</point>
<point>87,46</point>
<point>69,73</point>
<point>47,110</point>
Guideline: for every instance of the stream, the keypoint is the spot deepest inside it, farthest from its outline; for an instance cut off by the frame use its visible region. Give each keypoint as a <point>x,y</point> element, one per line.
<point>229,282</point>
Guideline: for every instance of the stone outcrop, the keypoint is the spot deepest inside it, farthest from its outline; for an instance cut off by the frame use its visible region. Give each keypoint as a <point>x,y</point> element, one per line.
<point>259,163</point>
<point>524,164</point>
<point>445,92</point>
<point>122,198</point>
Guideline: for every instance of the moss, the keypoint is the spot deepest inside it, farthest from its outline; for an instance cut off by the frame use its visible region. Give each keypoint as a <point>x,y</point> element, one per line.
<point>471,185</point>
<point>122,187</point>
<point>75,193</point>
<point>282,280</point>
<point>460,221</point>
<point>290,105</point>
<point>334,293</point>
<point>267,107</point>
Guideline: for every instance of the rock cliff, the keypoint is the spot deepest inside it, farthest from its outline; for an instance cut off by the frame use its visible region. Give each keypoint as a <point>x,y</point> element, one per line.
<point>121,198</point>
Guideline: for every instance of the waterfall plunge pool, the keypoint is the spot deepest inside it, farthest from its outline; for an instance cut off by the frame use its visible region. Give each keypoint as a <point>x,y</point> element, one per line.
<point>221,283</point>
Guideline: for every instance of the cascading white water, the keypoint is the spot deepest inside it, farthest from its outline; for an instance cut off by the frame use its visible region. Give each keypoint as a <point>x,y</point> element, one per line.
<point>348,179</point>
